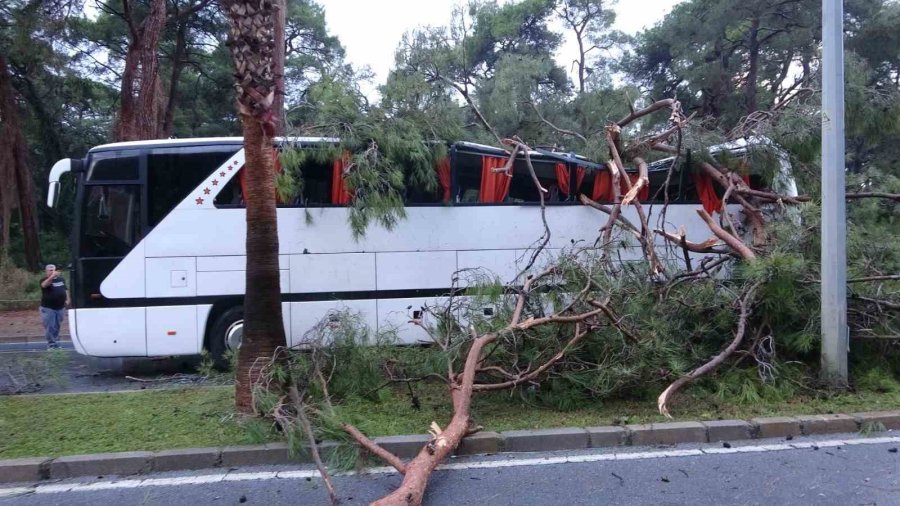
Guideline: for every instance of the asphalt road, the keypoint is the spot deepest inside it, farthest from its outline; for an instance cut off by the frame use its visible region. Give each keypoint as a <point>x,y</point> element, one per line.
<point>24,369</point>
<point>19,347</point>
<point>828,470</point>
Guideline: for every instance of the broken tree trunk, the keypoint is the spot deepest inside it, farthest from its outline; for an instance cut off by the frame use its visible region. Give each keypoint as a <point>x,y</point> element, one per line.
<point>462,386</point>
<point>412,489</point>
<point>646,239</point>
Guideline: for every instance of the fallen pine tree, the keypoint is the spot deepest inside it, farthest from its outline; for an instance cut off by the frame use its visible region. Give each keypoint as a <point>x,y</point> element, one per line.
<point>590,324</point>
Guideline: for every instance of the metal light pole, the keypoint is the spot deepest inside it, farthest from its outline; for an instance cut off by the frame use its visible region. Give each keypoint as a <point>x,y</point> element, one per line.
<point>835,339</point>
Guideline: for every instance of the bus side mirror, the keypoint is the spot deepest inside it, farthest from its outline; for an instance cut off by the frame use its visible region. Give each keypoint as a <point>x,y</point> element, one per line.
<point>53,194</point>
<point>59,168</point>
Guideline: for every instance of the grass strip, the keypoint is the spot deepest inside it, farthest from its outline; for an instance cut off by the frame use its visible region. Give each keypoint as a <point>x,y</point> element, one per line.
<point>57,425</point>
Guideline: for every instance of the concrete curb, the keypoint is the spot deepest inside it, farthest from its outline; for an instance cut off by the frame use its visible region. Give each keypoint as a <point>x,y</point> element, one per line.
<point>130,463</point>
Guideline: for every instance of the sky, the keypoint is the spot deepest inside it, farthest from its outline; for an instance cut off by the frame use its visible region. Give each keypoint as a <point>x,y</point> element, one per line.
<point>371,30</point>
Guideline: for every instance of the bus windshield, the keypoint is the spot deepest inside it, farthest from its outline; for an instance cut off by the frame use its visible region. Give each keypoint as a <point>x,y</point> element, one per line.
<point>110,220</point>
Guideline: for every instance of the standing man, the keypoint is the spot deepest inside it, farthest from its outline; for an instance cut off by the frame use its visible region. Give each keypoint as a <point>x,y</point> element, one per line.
<point>54,299</point>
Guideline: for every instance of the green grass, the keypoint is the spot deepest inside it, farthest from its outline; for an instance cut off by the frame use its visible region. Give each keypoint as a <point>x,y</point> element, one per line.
<point>56,425</point>
<point>503,411</point>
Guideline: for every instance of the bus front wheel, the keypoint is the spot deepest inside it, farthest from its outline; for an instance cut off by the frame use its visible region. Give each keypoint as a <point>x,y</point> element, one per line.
<point>225,336</point>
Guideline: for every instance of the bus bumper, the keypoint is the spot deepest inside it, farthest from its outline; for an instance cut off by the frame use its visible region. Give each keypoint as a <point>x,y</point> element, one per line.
<point>73,333</point>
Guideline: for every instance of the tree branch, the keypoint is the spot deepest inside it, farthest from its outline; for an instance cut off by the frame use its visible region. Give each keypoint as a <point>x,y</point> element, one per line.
<point>533,373</point>
<point>734,185</point>
<point>617,205</point>
<point>708,246</point>
<point>391,459</point>
<point>472,105</point>
<point>662,402</point>
<point>556,128</point>
<point>643,180</point>
<point>878,302</point>
<point>876,195</point>
<point>661,104</point>
<point>614,320</point>
<point>609,211</point>
<point>733,242</point>
<point>313,447</point>
<point>887,277</point>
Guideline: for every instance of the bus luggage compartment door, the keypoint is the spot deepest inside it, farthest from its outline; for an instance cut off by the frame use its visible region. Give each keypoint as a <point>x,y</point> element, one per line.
<point>112,332</point>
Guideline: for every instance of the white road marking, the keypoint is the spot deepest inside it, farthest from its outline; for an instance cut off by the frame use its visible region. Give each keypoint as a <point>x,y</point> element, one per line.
<point>474,464</point>
<point>12,492</point>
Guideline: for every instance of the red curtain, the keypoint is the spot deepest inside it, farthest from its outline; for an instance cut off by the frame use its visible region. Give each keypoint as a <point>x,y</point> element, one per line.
<point>603,189</point>
<point>562,177</point>
<point>494,185</point>
<point>339,193</point>
<point>707,193</point>
<point>242,178</point>
<point>443,173</point>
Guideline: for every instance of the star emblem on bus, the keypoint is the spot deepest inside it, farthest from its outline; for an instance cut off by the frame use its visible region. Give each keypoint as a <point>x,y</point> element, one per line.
<point>206,191</point>
<point>215,182</point>
<point>222,174</point>
<point>199,201</point>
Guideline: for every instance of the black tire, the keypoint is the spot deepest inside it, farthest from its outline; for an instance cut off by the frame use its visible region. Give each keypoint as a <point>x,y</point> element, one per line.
<point>216,342</point>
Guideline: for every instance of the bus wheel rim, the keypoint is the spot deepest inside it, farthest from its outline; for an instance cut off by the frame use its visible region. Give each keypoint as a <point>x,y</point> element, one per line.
<point>233,335</point>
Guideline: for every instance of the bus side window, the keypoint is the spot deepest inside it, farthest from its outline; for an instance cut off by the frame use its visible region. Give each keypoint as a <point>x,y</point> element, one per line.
<point>587,183</point>
<point>113,166</point>
<point>522,188</point>
<point>230,195</point>
<point>466,175</point>
<point>469,185</point>
<point>417,194</point>
<point>316,182</point>
<point>111,219</point>
<point>658,181</point>
<point>173,173</point>
<point>688,188</point>
<point>416,191</point>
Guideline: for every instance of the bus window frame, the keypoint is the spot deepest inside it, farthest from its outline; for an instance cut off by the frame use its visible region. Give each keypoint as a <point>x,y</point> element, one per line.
<point>165,150</point>
<point>454,153</point>
<point>82,181</point>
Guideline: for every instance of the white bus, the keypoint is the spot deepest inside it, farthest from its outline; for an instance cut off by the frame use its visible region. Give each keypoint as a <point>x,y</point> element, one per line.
<point>159,232</point>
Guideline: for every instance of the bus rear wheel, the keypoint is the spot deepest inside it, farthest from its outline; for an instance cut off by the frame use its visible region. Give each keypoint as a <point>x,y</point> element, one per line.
<point>225,336</point>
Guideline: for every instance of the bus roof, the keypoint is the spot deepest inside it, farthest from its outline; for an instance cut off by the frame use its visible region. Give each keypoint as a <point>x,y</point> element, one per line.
<point>199,141</point>
<point>463,146</point>
<point>541,154</point>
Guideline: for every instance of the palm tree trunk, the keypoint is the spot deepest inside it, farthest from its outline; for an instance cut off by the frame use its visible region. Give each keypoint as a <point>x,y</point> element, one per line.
<point>252,43</point>
<point>263,327</point>
<point>278,104</point>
